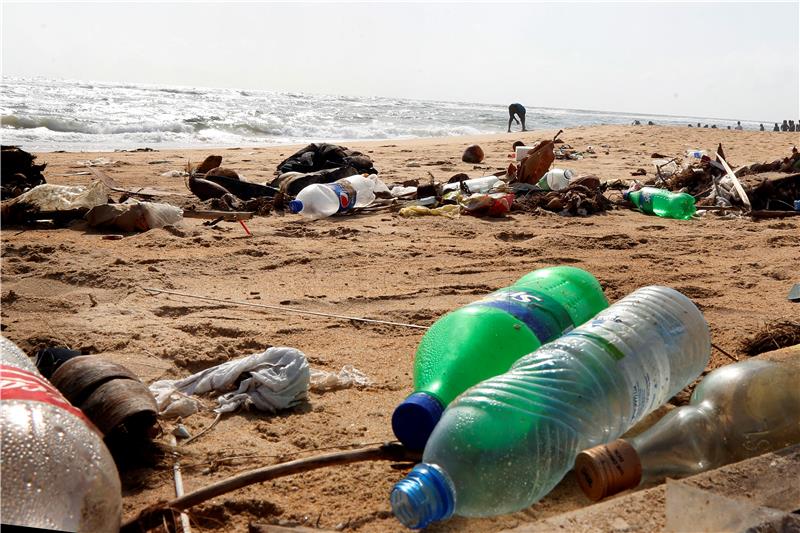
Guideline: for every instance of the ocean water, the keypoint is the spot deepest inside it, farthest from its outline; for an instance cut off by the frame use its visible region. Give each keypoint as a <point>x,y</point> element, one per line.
<point>46,115</point>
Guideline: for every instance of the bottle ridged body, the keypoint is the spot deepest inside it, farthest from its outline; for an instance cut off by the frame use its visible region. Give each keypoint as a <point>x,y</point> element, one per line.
<point>505,443</point>
<point>56,472</point>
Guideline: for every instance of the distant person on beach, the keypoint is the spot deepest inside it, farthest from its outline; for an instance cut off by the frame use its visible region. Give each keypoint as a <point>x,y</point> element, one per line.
<point>519,111</point>
<point>761,127</point>
<point>698,124</point>
<point>738,125</point>
<point>791,125</point>
<point>776,128</point>
<point>713,126</point>
<point>784,126</point>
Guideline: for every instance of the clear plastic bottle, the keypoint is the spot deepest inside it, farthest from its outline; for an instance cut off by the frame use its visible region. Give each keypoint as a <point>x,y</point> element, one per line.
<point>56,471</point>
<point>506,442</point>
<point>738,411</point>
<point>321,200</point>
<point>663,203</point>
<point>476,185</point>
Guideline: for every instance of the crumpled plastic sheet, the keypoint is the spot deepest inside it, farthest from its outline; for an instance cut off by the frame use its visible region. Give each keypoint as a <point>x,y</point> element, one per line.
<point>348,376</point>
<point>277,378</point>
<point>49,197</point>
<point>449,210</point>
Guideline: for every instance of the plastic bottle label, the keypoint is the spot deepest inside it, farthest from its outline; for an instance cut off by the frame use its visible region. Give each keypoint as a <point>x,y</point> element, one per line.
<point>543,315</point>
<point>646,201</point>
<point>16,384</point>
<point>643,395</point>
<point>347,199</point>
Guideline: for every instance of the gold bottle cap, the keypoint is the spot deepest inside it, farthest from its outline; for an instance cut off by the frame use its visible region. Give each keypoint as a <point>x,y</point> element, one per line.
<point>608,469</point>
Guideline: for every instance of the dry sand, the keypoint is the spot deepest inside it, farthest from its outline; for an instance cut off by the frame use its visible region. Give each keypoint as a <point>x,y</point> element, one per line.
<point>69,286</point>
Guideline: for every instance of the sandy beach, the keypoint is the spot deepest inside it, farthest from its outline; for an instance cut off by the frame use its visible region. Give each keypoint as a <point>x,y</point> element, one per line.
<point>72,287</point>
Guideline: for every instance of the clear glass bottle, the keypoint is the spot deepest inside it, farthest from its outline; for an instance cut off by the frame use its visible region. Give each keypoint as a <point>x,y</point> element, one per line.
<point>738,411</point>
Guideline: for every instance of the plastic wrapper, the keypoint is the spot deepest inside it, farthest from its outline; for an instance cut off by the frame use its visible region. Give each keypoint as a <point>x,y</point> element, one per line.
<point>348,376</point>
<point>49,197</point>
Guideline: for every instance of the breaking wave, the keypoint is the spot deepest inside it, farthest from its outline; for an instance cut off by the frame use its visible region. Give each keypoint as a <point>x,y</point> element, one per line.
<point>41,114</point>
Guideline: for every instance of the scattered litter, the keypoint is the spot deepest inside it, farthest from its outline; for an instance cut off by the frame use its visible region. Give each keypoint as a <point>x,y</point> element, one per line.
<point>794,294</point>
<point>491,205</point>
<point>18,172</point>
<point>181,432</point>
<point>348,376</point>
<point>57,202</point>
<point>449,210</point>
<point>134,215</point>
<point>174,174</point>
<point>537,161</point>
<point>277,378</point>
<point>99,162</point>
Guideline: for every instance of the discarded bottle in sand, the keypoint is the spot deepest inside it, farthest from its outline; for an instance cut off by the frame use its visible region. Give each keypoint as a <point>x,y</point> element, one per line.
<point>484,338</point>
<point>56,471</point>
<point>321,200</point>
<point>476,185</point>
<point>738,411</point>
<point>556,179</point>
<point>695,154</point>
<point>662,202</point>
<point>506,442</point>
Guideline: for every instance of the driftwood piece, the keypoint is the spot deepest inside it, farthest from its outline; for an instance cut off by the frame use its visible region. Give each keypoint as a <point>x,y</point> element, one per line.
<point>736,184</point>
<point>112,184</point>
<point>152,516</point>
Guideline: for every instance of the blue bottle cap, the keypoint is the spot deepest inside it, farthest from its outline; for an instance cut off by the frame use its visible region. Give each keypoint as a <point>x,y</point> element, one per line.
<point>626,195</point>
<point>295,206</point>
<point>414,419</point>
<point>424,496</point>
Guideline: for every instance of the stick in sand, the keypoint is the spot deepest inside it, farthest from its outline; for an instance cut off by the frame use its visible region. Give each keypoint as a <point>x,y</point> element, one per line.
<point>150,517</point>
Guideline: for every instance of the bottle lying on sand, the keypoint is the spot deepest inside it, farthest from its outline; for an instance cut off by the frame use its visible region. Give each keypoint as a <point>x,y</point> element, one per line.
<point>321,200</point>
<point>475,186</point>
<point>662,202</point>
<point>506,442</point>
<point>738,411</point>
<point>56,471</point>
<point>484,338</point>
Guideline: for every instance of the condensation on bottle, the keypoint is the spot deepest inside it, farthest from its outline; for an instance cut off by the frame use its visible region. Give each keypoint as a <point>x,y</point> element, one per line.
<point>506,442</point>
<point>56,471</point>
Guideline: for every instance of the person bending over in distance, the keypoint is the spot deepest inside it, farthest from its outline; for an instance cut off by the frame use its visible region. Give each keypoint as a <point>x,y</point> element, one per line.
<point>519,111</point>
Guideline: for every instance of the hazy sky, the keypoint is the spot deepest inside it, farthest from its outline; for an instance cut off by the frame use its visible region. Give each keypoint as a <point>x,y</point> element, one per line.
<point>728,60</point>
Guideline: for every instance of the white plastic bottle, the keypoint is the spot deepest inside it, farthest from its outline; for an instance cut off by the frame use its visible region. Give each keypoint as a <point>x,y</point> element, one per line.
<point>321,200</point>
<point>556,179</point>
<point>56,471</point>
<point>476,185</point>
<point>506,442</point>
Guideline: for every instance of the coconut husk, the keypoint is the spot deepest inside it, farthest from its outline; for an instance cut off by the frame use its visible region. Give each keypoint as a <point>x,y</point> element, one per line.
<point>773,336</point>
<point>538,161</point>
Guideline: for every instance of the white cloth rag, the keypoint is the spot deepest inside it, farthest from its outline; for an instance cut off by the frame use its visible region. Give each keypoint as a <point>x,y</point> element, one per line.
<point>278,378</point>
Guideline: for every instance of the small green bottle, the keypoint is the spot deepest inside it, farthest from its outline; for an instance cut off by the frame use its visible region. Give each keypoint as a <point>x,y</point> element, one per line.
<point>662,202</point>
<point>484,338</point>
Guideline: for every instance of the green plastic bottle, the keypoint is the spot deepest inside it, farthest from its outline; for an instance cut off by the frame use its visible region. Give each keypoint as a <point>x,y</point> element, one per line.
<point>662,202</point>
<point>483,339</point>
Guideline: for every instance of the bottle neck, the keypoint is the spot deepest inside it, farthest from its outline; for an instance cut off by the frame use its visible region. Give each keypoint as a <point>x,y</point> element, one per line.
<point>687,441</point>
